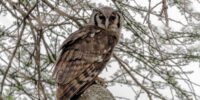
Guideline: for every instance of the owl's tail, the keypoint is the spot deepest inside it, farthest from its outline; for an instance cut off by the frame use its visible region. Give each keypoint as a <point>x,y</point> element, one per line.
<point>77,86</point>
<point>72,91</point>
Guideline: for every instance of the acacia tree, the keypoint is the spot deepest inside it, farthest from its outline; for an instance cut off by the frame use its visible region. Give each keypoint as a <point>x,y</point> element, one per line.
<point>153,55</point>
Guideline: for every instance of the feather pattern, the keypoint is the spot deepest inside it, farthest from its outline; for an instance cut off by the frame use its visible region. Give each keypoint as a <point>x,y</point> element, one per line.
<point>82,58</point>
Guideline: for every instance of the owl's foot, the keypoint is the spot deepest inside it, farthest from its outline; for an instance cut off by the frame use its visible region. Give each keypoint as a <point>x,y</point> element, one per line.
<point>100,81</point>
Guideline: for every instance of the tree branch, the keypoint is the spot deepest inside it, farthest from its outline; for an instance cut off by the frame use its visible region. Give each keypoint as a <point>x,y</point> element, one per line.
<point>96,92</point>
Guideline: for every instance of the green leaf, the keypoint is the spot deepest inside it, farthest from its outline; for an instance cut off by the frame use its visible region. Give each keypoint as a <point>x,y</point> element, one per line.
<point>9,97</point>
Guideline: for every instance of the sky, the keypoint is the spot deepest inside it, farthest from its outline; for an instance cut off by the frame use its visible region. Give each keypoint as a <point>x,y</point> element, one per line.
<point>126,91</point>
<point>123,90</point>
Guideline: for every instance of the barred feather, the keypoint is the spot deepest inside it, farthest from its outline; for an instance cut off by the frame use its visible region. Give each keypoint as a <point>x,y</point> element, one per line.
<point>82,59</point>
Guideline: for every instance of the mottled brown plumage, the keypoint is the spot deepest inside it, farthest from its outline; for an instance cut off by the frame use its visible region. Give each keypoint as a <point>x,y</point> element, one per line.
<point>84,55</point>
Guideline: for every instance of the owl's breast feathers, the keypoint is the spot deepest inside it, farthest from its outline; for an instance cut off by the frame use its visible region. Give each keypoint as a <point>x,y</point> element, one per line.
<point>90,32</point>
<point>83,56</point>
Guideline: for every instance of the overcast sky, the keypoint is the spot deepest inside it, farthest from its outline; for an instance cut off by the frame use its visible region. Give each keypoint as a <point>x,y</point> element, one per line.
<point>126,91</point>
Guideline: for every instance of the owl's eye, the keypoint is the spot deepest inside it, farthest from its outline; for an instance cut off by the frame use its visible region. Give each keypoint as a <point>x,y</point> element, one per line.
<point>112,17</point>
<point>102,17</point>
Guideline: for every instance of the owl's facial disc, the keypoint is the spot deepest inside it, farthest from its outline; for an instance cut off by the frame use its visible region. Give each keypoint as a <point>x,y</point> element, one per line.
<point>106,21</point>
<point>106,18</point>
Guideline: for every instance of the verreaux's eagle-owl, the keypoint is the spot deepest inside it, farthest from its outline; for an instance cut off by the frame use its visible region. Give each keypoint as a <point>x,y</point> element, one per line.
<point>84,53</point>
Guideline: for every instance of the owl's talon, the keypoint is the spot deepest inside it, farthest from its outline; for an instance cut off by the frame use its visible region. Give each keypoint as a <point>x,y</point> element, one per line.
<point>101,82</point>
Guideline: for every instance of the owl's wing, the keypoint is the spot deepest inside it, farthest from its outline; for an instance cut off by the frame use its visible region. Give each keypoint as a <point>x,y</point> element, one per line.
<point>65,54</point>
<point>67,65</point>
<point>82,33</point>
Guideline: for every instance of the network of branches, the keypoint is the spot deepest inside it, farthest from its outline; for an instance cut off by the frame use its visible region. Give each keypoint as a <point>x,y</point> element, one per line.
<point>153,55</point>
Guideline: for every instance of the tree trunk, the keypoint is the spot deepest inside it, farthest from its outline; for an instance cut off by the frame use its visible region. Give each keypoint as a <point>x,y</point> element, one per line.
<point>96,92</point>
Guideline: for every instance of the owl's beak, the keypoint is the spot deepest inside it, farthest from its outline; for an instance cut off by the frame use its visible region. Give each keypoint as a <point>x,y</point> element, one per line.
<point>107,23</point>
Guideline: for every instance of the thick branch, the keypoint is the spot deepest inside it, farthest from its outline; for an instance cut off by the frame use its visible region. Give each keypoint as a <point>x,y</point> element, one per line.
<point>96,92</point>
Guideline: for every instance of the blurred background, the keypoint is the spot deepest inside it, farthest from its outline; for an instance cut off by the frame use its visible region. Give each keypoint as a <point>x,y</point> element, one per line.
<point>157,58</point>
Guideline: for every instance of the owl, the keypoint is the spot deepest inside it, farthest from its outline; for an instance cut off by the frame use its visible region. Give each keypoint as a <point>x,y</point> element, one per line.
<point>84,53</point>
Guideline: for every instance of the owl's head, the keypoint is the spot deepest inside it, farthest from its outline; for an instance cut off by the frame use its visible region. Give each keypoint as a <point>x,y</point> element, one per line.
<point>106,18</point>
